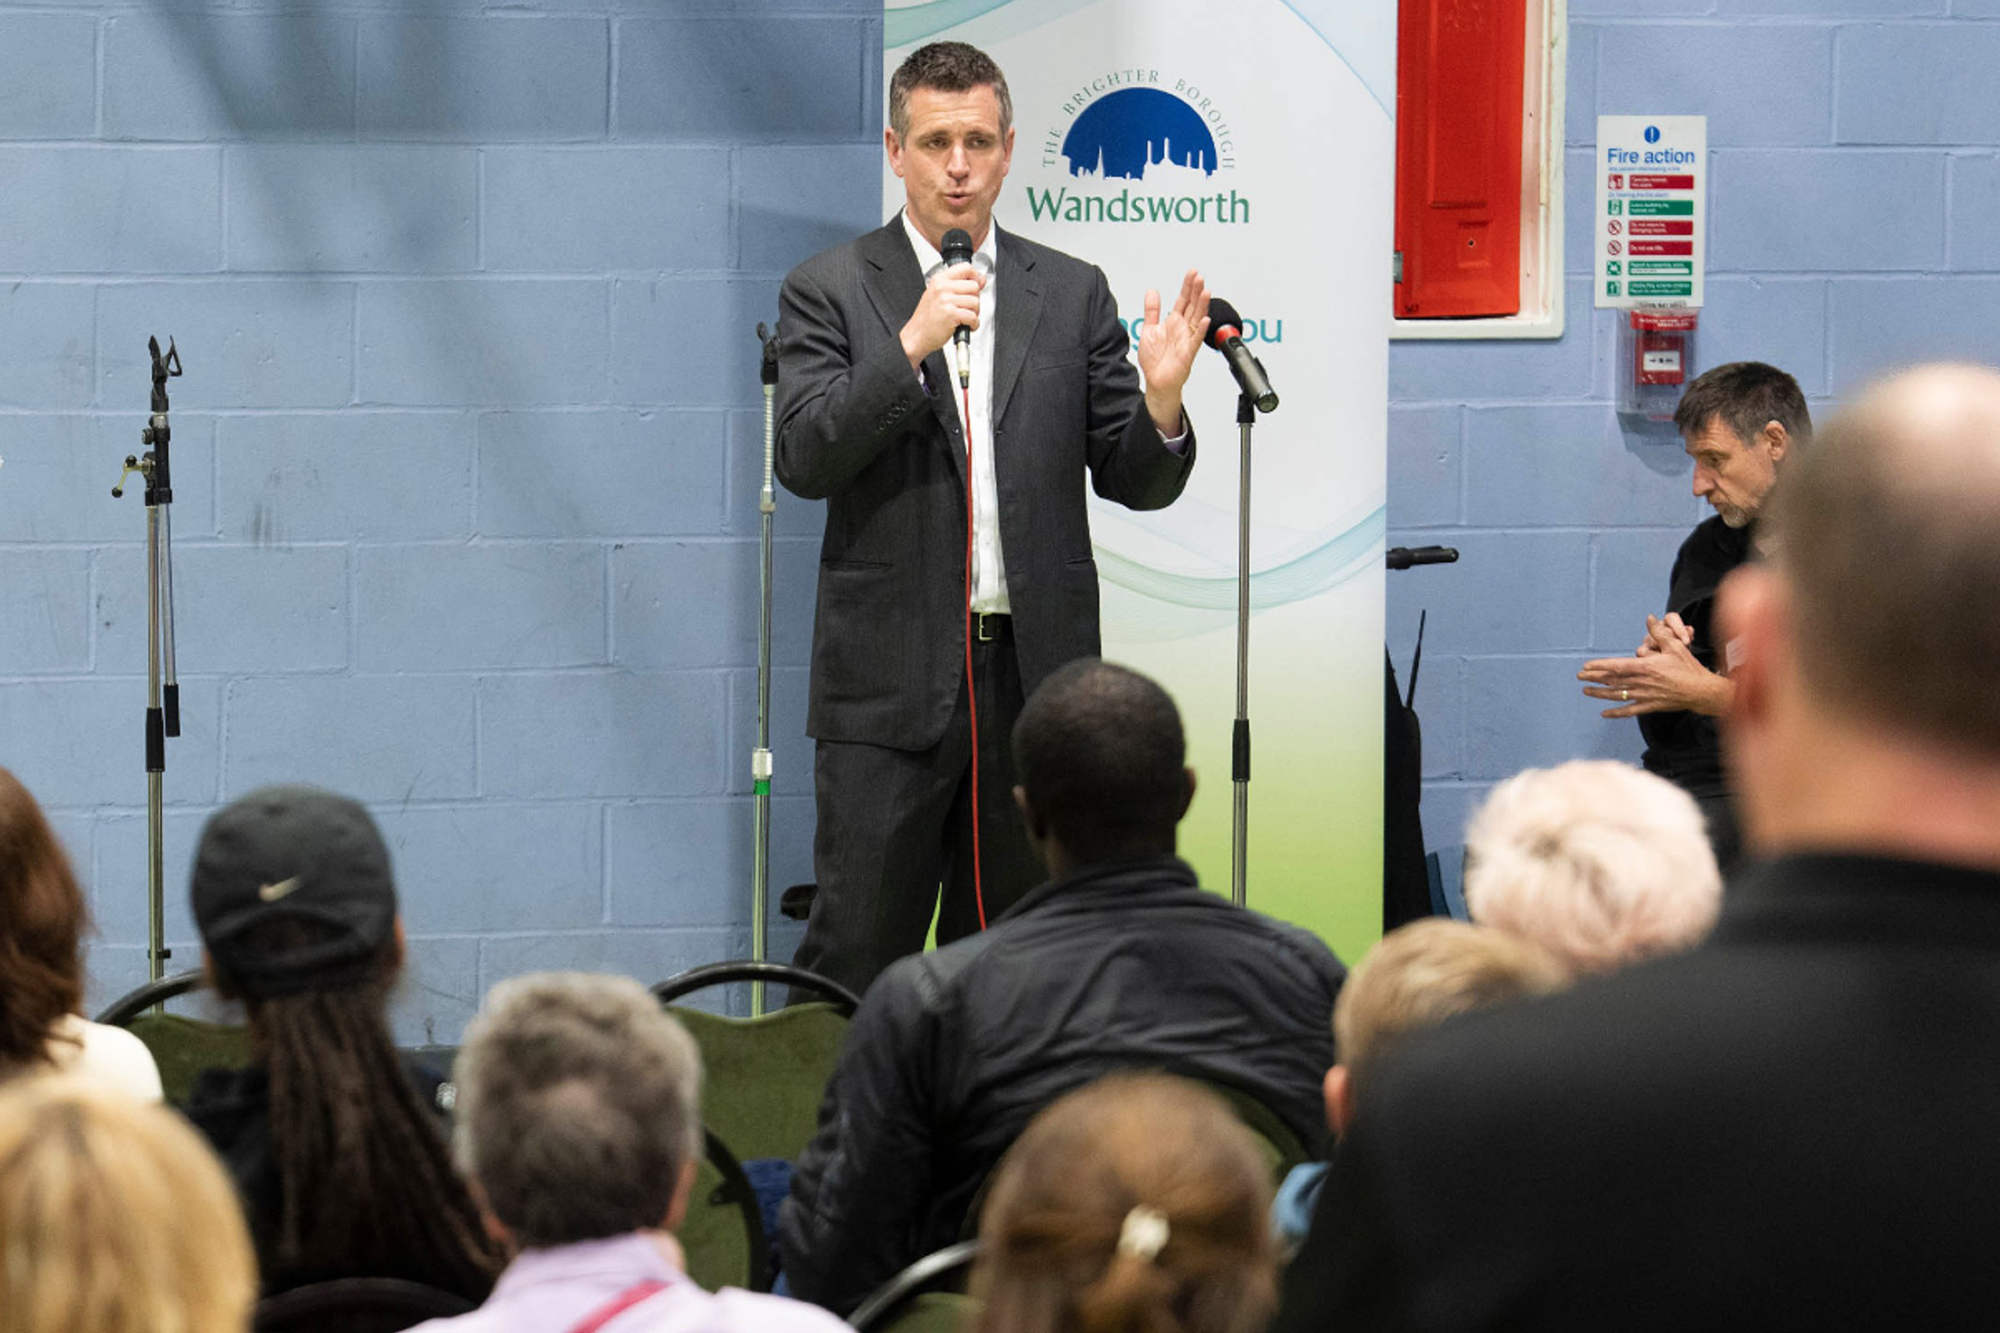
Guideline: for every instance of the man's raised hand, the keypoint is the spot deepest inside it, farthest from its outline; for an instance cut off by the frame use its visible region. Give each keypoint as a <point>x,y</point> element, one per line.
<point>1167,346</point>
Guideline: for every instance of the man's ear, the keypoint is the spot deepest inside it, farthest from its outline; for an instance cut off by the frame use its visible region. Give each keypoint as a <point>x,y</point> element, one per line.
<point>1339,1101</point>
<point>1187,793</point>
<point>677,1210</point>
<point>1038,829</point>
<point>1752,616</point>
<point>1776,440</point>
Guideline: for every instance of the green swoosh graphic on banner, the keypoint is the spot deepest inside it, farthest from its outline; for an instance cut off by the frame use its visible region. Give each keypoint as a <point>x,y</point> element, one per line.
<point>913,23</point>
<point>1326,566</point>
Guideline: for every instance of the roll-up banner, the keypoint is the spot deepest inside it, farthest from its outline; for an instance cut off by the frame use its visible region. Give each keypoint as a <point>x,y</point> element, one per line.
<point>1254,141</point>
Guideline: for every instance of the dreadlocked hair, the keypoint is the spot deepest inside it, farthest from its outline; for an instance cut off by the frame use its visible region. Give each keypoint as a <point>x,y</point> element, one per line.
<point>365,1177</point>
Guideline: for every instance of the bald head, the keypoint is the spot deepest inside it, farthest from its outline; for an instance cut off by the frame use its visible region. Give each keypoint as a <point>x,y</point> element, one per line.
<point>1886,537</point>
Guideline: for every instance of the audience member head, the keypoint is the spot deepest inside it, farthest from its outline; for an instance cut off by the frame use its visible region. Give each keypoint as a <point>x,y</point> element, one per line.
<point>578,1109</point>
<point>297,911</point>
<point>1741,422</point>
<point>1865,709</point>
<point>1600,863</point>
<point>1415,978</point>
<point>1101,762</point>
<point>1138,1204</point>
<point>946,67</point>
<point>42,919</point>
<point>114,1218</point>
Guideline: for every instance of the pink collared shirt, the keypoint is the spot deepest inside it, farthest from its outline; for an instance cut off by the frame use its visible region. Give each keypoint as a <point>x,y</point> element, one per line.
<point>555,1290</point>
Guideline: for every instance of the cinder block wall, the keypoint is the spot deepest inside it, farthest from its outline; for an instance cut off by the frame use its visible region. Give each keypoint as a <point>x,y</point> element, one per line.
<point>467,450</point>
<point>1855,179</point>
<point>466,455</point>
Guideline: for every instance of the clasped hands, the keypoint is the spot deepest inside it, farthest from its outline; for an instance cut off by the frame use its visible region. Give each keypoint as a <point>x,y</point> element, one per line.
<point>1661,676</point>
<point>1168,340</point>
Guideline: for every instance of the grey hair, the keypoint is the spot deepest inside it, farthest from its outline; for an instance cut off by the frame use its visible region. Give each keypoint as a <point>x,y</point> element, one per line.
<point>579,1103</point>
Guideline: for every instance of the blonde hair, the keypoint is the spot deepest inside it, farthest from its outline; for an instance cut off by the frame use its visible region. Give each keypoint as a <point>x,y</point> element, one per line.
<point>114,1218</point>
<point>1423,973</point>
<point>1599,862</point>
<point>1138,1204</point>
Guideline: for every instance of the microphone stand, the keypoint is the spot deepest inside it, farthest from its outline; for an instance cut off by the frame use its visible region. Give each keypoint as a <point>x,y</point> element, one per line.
<point>1239,739</point>
<point>760,758</point>
<point>163,691</point>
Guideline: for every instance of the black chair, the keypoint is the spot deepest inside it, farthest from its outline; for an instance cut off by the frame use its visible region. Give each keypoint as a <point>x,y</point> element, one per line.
<point>844,1001</point>
<point>356,1305</point>
<point>909,1303</point>
<point>181,1046</point>
<point>121,1011</point>
<point>763,1078</point>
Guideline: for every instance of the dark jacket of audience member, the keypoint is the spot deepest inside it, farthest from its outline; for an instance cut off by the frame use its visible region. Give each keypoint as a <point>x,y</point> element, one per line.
<point>337,1157</point>
<point>1790,1126</point>
<point>1121,961</point>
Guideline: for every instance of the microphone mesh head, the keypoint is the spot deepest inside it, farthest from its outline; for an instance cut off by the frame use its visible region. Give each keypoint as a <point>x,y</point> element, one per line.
<point>957,247</point>
<point>1221,315</point>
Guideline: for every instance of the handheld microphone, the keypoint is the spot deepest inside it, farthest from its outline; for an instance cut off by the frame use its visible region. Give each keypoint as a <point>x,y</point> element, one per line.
<point>957,249</point>
<point>1225,335</point>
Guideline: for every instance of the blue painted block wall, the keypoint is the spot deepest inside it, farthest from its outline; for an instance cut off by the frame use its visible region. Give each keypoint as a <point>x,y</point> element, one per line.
<point>1855,176</point>
<point>467,452</point>
<point>468,448</point>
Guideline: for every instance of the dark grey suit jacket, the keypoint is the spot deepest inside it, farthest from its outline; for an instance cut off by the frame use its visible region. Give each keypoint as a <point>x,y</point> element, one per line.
<point>885,450</point>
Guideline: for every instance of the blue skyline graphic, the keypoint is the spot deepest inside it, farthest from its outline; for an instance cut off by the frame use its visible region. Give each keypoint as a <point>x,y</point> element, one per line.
<point>1130,130</point>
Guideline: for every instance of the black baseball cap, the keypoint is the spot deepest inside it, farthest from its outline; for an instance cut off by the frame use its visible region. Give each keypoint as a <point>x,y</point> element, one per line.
<point>293,854</point>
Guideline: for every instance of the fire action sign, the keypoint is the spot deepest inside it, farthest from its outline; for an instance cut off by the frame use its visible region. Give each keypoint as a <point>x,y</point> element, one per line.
<point>1652,192</point>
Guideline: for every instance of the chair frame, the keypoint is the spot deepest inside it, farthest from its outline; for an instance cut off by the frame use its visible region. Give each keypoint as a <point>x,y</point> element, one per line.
<point>891,1295</point>
<point>340,1295</point>
<point>844,1001</point>
<point>121,1011</point>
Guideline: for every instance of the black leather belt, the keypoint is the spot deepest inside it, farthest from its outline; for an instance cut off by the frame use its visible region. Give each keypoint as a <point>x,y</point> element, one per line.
<point>991,626</point>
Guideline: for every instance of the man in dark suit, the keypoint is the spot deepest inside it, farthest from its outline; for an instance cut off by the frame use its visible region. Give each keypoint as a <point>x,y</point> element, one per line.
<point>1792,1126</point>
<point>917,624</point>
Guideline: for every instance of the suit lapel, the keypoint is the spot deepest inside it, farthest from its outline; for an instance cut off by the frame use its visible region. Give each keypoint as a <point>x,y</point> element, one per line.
<point>1014,325</point>
<point>895,284</point>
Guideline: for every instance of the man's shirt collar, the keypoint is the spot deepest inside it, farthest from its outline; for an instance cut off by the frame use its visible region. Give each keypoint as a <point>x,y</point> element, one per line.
<point>928,258</point>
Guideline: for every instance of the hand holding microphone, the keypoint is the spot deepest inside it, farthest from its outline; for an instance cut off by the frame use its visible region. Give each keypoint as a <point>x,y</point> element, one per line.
<point>949,309</point>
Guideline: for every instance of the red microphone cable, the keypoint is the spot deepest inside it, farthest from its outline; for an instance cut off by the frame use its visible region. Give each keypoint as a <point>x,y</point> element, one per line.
<point>971,693</point>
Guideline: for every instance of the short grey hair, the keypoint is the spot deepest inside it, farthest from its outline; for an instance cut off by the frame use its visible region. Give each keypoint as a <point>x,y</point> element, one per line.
<point>579,1103</point>
<point>1600,863</point>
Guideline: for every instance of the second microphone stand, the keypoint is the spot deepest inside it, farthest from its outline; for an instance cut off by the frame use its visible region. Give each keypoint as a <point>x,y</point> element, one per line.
<point>163,691</point>
<point>760,758</point>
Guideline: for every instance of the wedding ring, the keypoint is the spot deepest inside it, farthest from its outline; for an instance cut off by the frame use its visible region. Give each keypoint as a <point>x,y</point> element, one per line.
<point>1626,695</point>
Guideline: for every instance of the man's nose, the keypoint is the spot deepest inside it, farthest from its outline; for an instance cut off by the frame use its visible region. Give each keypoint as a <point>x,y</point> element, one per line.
<point>1703,483</point>
<point>957,164</point>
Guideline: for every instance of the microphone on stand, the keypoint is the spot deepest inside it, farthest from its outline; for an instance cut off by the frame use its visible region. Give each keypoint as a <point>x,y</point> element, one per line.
<point>957,249</point>
<point>1225,335</point>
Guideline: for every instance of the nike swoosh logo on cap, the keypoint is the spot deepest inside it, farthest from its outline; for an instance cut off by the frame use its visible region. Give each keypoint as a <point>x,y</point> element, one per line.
<point>270,893</point>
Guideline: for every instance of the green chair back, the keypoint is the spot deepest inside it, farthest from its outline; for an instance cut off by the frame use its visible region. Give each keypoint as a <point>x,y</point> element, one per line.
<point>933,1312</point>
<point>723,1233</point>
<point>763,1078</point>
<point>182,1047</point>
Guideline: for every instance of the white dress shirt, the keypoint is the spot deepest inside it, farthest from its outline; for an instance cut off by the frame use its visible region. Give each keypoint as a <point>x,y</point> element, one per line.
<point>989,567</point>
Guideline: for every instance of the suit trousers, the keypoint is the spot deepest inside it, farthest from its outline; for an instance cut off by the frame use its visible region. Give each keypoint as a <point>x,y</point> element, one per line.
<point>895,825</point>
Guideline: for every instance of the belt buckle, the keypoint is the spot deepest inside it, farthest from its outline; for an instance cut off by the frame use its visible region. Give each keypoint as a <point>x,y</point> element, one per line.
<point>984,619</point>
